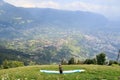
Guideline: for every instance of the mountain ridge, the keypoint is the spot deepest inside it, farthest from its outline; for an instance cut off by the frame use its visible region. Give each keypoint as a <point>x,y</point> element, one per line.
<point>49,34</point>
<point>18,18</point>
<point>53,14</point>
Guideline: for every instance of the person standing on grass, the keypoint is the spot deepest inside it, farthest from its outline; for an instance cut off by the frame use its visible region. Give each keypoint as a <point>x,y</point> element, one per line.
<point>60,69</point>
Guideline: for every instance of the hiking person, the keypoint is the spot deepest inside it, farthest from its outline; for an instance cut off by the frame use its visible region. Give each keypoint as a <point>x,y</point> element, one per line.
<point>60,69</point>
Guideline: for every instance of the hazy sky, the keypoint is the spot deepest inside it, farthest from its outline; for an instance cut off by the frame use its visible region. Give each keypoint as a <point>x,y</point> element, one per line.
<point>109,8</point>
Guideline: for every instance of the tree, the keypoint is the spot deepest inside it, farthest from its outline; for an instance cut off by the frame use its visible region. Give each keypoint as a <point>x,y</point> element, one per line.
<point>118,56</point>
<point>79,62</point>
<point>90,61</point>
<point>71,61</point>
<point>100,58</point>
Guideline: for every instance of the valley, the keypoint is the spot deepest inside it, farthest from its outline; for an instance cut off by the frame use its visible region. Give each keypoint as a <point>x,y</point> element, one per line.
<point>47,36</point>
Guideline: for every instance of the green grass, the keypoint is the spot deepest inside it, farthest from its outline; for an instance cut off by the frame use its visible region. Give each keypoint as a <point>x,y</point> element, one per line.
<point>93,72</point>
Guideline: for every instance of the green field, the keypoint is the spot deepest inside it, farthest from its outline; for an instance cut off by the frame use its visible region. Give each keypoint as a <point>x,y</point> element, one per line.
<point>93,72</point>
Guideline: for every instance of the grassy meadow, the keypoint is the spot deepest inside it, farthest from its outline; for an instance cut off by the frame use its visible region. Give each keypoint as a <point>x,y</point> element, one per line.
<point>93,72</point>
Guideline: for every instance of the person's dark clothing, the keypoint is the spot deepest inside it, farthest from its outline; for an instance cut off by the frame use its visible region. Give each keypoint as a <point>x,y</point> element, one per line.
<point>60,69</point>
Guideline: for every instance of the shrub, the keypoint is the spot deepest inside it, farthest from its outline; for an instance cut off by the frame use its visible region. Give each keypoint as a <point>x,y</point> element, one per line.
<point>112,62</point>
<point>90,61</point>
<point>64,62</point>
<point>115,62</point>
<point>5,64</point>
<point>80,62</point>
<point>11,64</point>
<point>72,61</point>
<point>100,58</point>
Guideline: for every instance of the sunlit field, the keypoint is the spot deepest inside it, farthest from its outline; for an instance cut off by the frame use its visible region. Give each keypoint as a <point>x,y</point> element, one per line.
<point>93,72</point>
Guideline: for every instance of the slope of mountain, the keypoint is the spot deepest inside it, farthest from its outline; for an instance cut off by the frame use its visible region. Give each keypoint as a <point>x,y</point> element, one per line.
<point>50,16</point>
<point>8,54</point>
<point>49,35</point>
<point>14,18</point>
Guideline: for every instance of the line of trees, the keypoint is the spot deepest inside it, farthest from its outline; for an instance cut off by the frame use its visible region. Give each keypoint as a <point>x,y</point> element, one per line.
<point>100,59</point>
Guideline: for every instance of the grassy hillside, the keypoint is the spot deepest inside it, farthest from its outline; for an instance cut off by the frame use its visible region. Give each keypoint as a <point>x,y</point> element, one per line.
<point>93,72</point>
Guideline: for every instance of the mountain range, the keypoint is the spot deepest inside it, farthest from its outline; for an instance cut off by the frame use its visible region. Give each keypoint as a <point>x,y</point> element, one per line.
<point>31,30</point>
<point>11,16</point>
